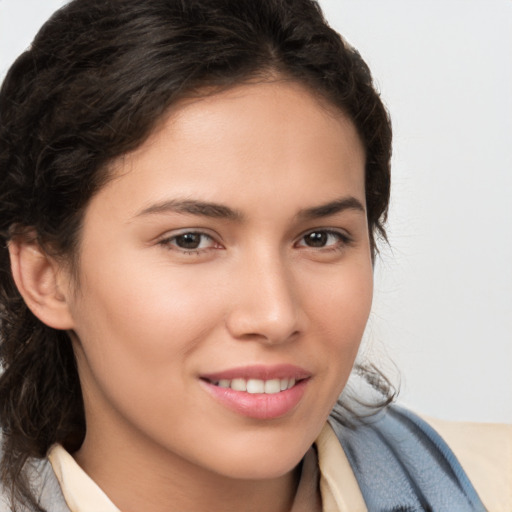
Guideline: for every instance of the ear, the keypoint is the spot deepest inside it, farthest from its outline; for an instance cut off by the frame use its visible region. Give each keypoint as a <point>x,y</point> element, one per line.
<point>41,282</point>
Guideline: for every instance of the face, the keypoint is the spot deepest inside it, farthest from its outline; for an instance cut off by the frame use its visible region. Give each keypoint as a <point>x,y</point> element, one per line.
<point>225,280</point>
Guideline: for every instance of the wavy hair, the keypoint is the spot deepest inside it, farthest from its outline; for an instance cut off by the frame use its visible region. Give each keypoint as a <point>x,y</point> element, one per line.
<point>98,77</point>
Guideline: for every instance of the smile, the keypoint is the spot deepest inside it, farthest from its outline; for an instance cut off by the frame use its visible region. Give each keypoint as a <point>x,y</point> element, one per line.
<point>258,392</point>
<point>254,386</point>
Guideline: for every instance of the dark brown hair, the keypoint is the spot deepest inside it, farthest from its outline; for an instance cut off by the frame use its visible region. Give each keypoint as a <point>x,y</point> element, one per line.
<point>96,80</point>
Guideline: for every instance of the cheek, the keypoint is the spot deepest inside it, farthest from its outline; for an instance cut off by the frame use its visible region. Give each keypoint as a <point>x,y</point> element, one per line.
<point>138,332</point>
<point>338,312</point>
<point>340,302</point>
<point>136,337</point>
<point>150,313</point>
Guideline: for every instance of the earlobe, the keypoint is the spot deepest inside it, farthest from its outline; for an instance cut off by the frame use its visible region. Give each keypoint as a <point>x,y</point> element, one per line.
<point>36,276</point>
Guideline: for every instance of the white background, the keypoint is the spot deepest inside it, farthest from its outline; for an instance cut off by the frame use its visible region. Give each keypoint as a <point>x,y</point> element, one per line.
<point>443,305</point>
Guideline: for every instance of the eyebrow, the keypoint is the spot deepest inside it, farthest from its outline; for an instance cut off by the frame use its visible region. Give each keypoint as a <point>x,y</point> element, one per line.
<point>219,211</point>
<point>193,207</point>
<point>332,208</point>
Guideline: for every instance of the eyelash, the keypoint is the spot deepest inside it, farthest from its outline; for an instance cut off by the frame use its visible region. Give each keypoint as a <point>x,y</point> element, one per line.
<point>169,243</point>
<point>343,240</point>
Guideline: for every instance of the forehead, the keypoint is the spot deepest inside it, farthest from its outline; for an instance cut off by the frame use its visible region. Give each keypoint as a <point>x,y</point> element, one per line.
<point>242,144</point>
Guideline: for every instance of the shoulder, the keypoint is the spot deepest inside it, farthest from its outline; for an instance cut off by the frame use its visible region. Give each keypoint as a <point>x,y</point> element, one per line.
<point>45,486</point>
<point>400,460</point>
<point>485,452</point>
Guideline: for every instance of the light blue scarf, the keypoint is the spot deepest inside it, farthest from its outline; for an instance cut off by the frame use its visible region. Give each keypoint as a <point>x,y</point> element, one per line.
<point>402,465</point>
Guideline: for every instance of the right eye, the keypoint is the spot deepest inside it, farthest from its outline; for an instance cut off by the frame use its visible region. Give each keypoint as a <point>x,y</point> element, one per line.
<point>189,242</point>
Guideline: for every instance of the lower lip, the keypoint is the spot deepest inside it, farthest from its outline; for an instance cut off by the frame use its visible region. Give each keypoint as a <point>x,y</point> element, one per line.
<point>261,406</point>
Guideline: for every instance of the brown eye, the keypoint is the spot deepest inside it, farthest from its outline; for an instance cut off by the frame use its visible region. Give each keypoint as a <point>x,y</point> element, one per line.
<point>324,239</point>
<point>316,239</point>
<point>189,240</point>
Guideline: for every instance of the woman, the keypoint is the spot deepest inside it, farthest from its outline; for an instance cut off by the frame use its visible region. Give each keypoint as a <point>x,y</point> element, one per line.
<point>191,196</point>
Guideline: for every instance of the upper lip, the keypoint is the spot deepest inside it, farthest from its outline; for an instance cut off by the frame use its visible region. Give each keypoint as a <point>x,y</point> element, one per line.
<point>262,372</point>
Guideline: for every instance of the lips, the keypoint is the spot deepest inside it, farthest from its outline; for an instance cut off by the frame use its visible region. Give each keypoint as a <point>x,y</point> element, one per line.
<point>259,392</point>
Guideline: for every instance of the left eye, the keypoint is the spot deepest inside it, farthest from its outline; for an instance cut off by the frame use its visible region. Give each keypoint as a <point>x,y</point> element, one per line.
<point>190,241</point>
<point>322,238</point>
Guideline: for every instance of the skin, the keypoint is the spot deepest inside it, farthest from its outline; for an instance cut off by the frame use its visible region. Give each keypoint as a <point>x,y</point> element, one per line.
<point>148,318</point>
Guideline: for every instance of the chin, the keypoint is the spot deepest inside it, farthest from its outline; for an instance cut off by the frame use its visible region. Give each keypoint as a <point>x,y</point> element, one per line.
<point>257,462</point>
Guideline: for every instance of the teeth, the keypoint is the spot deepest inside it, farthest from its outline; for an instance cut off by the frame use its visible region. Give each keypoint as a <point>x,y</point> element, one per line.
<point>255,386</point>
<point>239,384</point>
<point>272,386</point>
<point>269,387</point>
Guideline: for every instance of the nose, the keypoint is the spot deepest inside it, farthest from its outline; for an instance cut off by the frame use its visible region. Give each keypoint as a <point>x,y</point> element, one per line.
<point>266,302</point>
